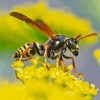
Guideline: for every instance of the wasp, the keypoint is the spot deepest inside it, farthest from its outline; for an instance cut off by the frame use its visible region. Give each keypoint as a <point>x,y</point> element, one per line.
<point>54,48</point>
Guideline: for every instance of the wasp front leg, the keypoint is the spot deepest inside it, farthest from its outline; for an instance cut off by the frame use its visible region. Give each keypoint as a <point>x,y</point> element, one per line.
<point>74,67</point>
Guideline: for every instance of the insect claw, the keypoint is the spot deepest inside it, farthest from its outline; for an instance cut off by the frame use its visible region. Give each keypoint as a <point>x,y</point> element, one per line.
<point>79,75</point>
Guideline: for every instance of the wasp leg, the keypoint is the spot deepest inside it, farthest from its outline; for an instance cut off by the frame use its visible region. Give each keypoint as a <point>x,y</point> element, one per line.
<point>46,50</point>
<point>27,59</point>
<point>73,63</point>
<point>20,59</point>
<point>46,47</point>
<point>60,62</point>
<point>53,56</point>
<point>46,64</point>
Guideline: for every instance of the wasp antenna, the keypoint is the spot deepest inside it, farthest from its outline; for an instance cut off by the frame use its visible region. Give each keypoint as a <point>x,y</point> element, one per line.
<point>78,37</point>
<point>92,34</point>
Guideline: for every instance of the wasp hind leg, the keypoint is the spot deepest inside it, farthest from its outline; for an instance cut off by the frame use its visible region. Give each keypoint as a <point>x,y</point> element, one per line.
<point>20,59</point>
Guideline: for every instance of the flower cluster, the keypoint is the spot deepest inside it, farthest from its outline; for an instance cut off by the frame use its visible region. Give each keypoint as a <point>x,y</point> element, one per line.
<point>54,84</point>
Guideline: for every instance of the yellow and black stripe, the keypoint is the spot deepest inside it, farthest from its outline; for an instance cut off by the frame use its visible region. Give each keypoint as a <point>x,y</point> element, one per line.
<point>30,49</point>
<point>22,49</point>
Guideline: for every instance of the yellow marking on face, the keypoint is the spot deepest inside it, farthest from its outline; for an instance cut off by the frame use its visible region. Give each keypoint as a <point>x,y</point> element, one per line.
<point>77,46</point>
<point>72,50</point>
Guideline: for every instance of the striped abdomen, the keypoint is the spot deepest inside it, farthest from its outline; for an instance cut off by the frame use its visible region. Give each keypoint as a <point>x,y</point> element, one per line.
<point>28,50</point>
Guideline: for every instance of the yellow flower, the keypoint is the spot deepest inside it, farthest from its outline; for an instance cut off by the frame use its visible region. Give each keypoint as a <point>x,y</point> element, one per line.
<point>43,84</point>
<point>38,82</point>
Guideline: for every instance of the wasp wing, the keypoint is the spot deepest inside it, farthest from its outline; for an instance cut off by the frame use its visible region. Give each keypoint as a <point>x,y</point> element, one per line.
<point>38,23</point>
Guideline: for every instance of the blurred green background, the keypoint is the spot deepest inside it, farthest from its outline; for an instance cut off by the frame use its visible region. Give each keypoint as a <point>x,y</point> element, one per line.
<point>68,17</point>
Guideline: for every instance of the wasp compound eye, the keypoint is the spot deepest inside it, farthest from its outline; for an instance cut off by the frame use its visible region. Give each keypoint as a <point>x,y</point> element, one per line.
<point>71,43</point>
<point>76,53</point>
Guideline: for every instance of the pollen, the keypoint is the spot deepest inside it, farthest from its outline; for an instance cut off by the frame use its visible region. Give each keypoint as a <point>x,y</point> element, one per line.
<point>18,64</point>
<point>70,67</point>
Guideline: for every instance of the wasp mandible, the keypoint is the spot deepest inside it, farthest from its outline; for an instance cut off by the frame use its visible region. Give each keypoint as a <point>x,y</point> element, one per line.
<point>54,48</point>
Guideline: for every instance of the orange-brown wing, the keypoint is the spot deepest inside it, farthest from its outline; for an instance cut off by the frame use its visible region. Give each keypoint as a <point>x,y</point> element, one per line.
<point>38,23</point>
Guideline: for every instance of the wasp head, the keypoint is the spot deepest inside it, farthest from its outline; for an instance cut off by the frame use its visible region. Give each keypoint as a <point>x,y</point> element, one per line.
<point>73,46</point>
<point>72,43</point>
